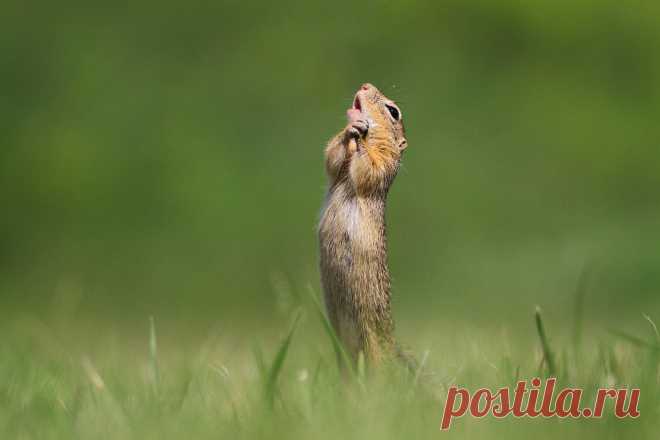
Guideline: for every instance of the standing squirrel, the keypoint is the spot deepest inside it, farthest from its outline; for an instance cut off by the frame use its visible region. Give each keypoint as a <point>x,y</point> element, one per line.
<point>361,162</point>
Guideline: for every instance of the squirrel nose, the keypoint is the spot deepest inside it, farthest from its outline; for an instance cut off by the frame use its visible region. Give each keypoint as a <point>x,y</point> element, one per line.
<point>366,86</point>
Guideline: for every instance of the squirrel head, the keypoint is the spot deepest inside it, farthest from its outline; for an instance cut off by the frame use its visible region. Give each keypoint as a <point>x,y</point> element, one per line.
<point>383,117</point>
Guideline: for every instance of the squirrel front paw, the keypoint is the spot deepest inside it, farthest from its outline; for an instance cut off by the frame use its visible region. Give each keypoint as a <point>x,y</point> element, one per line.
<point>357,128</point>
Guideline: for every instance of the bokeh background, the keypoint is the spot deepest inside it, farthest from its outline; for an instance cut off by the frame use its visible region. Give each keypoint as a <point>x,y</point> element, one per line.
<point>166,159</point>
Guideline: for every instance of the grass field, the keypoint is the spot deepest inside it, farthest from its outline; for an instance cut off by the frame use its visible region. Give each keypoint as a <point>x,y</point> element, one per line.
<point>106,384</point>
<point>166,159</point>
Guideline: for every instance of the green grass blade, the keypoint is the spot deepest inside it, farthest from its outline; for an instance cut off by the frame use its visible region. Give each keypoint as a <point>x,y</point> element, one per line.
<point>545,346</point>
<point>259,360</point>
<point>278,362</point>
<point>654,327</point>
<point>639,342</point>
<point>580,294</point>
<point>344,362</point>
<point>420,367</point>
<point>361,367</point>
<point>153,355</point>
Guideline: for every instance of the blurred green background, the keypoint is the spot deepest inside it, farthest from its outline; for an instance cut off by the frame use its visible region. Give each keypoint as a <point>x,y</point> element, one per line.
<point>166,159</point>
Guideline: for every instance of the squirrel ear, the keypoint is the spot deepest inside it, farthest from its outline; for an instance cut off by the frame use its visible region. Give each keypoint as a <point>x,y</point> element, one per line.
<point>403,145</point>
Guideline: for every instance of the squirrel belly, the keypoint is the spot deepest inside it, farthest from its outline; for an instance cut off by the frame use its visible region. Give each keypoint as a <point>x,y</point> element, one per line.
<point>355,275</point>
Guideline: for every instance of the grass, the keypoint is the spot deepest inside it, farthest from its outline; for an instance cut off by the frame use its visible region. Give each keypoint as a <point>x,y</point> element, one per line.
<point>294,388</point>
<point>548,356</point>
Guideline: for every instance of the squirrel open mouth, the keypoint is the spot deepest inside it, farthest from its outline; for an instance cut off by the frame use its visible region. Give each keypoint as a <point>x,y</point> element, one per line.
<point>357,105</point>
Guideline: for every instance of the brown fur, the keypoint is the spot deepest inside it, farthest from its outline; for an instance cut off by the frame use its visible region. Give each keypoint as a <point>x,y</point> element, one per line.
<point>361,163</point>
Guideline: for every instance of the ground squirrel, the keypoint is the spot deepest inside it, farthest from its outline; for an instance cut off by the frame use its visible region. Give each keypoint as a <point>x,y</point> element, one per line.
<point>361,163</point>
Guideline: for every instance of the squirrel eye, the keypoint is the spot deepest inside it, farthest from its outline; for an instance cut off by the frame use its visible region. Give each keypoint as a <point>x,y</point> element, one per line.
<point>393,111</point>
